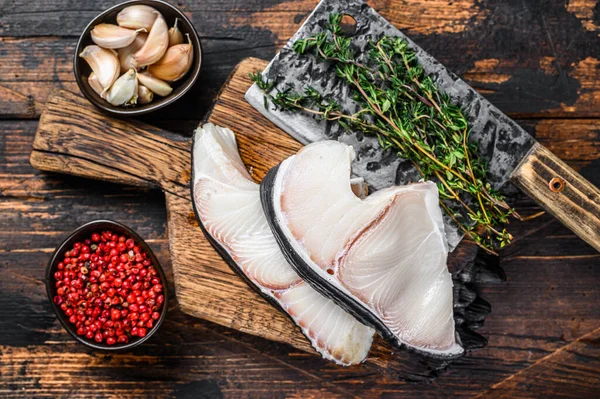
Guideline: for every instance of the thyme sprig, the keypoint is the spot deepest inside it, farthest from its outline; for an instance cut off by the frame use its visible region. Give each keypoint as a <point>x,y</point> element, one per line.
<point>406,111</point>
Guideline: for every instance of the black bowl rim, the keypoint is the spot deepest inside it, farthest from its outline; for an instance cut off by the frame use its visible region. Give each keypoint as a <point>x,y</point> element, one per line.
<point>61,317</point>
<point>171,98</point>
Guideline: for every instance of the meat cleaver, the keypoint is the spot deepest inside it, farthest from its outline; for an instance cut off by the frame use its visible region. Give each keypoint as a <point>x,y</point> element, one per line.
<point>512,154</point>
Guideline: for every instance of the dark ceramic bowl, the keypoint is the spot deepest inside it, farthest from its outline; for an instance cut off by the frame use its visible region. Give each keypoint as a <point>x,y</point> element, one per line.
<point>82,70</point>
<point>81,233</point>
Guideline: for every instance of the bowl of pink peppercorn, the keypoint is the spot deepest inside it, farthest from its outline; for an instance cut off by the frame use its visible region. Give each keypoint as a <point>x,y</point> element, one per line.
<point>106,286</point>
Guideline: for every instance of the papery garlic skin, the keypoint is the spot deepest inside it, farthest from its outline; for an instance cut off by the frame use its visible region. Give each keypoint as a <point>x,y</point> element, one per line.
<point>125,90</point>
<point>175,35</point>
<point>156,44</point>
<point>137,17</point>
<point>174,64</point>
<point>94,83</point>
<point>126,53</point>
<point>155,85</point>
<point>145,95</point>
<point>104,64</point>
<point>113,36</point>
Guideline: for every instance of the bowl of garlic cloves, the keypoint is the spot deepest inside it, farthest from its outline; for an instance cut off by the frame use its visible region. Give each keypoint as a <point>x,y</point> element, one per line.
<point>137,57</point>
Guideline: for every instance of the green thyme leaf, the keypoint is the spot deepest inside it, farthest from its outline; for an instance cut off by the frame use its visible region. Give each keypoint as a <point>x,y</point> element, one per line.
<point>406,111</point>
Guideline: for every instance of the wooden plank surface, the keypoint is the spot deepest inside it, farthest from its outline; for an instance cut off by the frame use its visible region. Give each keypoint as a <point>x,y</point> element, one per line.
<point>538,61</point>
<point>528,58</point>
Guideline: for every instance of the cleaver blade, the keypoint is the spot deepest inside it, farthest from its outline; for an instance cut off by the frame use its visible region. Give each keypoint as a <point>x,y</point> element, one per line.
<point>512,154</point>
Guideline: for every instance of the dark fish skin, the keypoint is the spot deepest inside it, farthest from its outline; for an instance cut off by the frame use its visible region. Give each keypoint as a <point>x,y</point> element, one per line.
<point>321,285</point>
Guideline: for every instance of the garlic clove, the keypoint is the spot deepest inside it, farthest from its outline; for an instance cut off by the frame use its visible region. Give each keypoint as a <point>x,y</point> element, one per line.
<point>137,17</point>
<point>155,85</point>
<point>124,90</point>
<point>126,53</point>
<point>156,44</point>
<point>113,36</point>
<point>175,63</point>
<point>94,83</point>
<point>145,95</point>
<point>104,64</point>
<point>175,35</point>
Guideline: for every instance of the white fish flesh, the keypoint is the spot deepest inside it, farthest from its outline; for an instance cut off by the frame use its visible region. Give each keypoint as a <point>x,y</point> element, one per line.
<point>382,257</point>
<point>228,204</point>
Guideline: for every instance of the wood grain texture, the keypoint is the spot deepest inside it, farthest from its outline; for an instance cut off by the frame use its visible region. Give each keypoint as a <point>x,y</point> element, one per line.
<point>563,192</point>
<point>537,61</point>
<point>549,299</point>
<point>552,375</point>
<point>530,58</point>
<point>78,139</point>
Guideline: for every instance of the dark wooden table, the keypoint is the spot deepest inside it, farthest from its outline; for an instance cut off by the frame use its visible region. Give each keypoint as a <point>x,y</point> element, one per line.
<point>537,60</point>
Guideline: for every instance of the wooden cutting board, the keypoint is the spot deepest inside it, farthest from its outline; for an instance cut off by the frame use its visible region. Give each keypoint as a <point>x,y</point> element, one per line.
<point>75,138</point>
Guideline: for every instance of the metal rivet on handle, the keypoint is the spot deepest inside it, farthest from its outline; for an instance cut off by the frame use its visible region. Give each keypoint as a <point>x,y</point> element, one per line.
<point>557,184</point>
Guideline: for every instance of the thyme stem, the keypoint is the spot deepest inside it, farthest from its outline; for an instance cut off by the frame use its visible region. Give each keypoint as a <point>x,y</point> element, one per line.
<point>404,108</point>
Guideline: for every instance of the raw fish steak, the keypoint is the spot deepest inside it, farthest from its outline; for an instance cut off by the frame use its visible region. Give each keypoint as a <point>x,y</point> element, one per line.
<point>228,205</point>
<point>382,257</point>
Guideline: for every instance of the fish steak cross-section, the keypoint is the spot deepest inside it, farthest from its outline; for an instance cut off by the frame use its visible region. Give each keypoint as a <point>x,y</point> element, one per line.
<point>382,257</point>
<point>228,205</point>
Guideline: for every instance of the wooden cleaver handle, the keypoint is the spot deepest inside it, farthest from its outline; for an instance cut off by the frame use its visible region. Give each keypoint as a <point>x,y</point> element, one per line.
<point>563,192</point>
<point>74,137</point>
